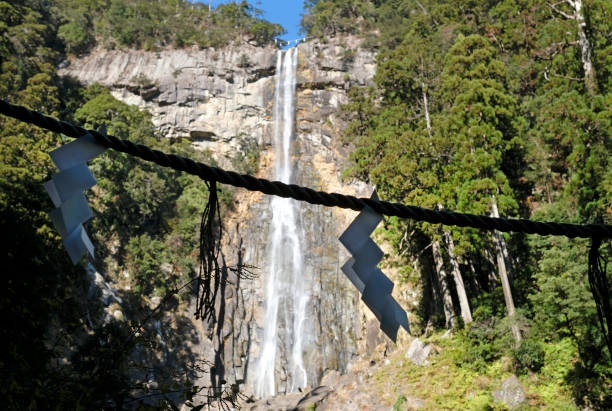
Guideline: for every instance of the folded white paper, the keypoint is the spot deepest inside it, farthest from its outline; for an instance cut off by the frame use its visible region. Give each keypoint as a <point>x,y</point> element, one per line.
<point>393,317</point>
<point>347,269</point>
<point>70,214</point>
<point>69,183</point>
<point>376,290</point>
<point>78,244</point>
<point>363,272</point>
<point>66,191</point>
<point>76,152</point>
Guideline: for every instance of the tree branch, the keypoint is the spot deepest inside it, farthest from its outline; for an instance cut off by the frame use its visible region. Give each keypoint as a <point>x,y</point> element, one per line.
<point>564,14</point>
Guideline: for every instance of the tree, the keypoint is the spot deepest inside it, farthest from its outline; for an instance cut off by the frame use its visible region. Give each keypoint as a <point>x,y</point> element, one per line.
<point>483,125</point>
<point>586,50</point>
<point>517,119</point>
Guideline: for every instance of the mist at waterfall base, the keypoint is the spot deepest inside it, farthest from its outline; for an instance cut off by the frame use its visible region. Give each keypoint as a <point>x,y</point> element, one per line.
<point>287,287</point>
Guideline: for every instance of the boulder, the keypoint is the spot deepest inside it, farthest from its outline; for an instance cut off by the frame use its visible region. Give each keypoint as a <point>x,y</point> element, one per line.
<point>276,403</point>
<point>313,398</point>
<point>418,352</point>
<point>331,378</point>
<point>512,393</point>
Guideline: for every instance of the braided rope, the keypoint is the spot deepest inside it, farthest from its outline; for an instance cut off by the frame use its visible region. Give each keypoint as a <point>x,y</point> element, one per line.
<point>308,195</point>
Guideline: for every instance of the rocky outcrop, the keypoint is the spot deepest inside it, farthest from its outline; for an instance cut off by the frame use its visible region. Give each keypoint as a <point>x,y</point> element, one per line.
<point>221,99</point>
<point>418,352</point>
<point>292,402</point>
<point>214,97</point>
<point>511,393</point>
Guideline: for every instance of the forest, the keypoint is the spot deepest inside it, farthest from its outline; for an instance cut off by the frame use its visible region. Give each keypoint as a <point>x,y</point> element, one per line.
<point>486,107</point>
<point>498,107</point>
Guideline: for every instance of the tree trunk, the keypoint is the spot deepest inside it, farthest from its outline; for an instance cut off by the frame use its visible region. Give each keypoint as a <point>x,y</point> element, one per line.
<point>586,50</point>
<point>503,275</point>
<point>585,47</point>
<point>426,105</point>
<point>463,300</point>
<point>447,301</point>
<point>474,284</point>
<point>502,243</point>
<point>492,274</point>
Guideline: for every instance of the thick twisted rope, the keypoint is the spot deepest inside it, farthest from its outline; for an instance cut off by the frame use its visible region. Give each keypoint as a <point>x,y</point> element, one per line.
<point>308,195</point>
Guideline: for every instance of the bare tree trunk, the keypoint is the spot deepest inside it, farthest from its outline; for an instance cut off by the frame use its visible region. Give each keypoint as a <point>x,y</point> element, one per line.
<point>492,277</point>
<point>466,313</point>
<point>502,243</point>
<point>447,301</point>
<point>474,283</point>
<point>426,105</point>
<point>586,50</point>
<point>422,7</point>
<point>501,265</point>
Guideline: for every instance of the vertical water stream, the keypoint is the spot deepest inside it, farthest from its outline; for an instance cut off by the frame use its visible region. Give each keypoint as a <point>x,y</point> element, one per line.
<point>286,288</point>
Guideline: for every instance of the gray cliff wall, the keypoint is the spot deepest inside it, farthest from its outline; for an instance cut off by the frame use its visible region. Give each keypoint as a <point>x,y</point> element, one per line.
<point>219,99</point>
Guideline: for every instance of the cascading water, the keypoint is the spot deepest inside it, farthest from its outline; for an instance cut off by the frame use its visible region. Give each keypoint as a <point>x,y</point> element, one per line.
<point>286,289</point>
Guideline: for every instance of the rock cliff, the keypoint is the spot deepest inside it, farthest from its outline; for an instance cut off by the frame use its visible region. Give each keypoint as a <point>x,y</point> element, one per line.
<point>222,101</point>
<point>219,97</point>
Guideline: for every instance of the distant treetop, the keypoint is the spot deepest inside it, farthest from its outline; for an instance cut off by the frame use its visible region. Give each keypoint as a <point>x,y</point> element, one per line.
<point>153,25</point>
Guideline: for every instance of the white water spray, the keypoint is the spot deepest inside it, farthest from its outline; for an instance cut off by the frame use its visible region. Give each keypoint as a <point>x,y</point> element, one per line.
<point>286,293</point>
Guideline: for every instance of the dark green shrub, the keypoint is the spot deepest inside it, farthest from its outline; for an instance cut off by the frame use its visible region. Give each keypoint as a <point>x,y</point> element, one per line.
<point>529,356</point>
<point>476,346</point>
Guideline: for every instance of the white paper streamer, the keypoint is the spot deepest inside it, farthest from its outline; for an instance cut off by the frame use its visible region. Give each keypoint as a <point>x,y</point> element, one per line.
<point>78,244</point>
<point>66,191</point>
<point>347,269</point>
<point>70,214</point>
<point>69,183</point>
<point>377,289</point>
<point>78,151</point>
<point>363,272</point>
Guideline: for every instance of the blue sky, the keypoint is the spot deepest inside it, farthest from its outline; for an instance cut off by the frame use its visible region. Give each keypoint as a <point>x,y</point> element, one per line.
<point>284,12</point>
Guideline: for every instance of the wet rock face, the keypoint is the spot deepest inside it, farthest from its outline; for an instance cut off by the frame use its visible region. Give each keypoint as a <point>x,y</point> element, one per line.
<point>333,311</point>
<point>218,99</point>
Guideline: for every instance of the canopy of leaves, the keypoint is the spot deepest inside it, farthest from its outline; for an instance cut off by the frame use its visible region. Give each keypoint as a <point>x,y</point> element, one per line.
<point>61,351</point>
<point>153,25</point>
<point>482,103</point>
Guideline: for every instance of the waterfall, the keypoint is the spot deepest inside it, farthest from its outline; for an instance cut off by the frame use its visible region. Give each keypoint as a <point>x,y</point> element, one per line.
<point>286,286</point>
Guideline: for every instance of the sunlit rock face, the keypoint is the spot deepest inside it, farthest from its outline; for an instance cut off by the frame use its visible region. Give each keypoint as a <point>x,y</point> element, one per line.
<point>222,99</point>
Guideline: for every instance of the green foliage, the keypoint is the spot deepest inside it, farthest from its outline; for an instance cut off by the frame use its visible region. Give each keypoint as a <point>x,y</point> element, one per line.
<point>397,405</point>
<point>155,25</point>
<point>328,18</point>
<point>443,385</point>
<point>153,213</point>
<point>348,56</point>
<point>243,61</point>
<point>42,292</point>
<point>145,256</point>
<point>471,100</point>
<point>483,342</point>
<point>529,356</point>
<point>246,159</point>
<point>482,102</point>
<point>60,356</point>
<point>75,37</point>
